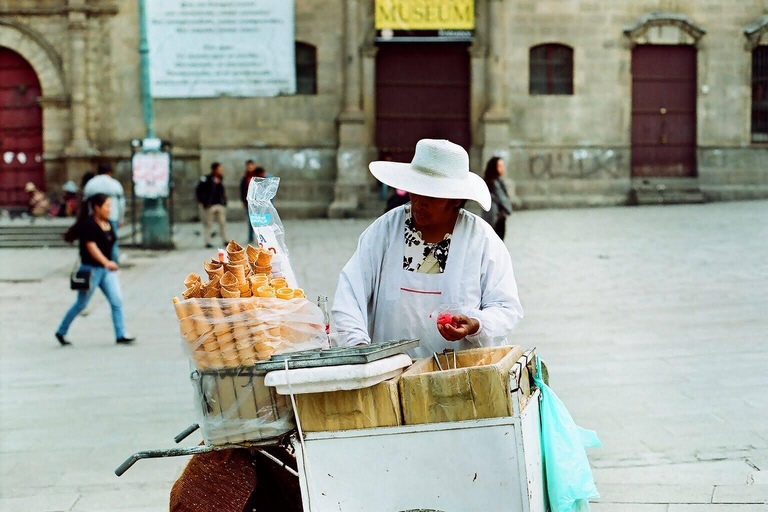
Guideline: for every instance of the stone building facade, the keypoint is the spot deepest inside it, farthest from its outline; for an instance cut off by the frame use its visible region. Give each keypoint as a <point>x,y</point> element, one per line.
<point>549,87</point>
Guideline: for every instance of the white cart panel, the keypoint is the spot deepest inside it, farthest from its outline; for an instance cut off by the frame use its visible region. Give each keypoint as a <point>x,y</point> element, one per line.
<point>489,465</point>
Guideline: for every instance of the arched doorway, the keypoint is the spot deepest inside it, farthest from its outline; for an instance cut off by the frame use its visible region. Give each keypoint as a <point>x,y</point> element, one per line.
<point>21,129</point>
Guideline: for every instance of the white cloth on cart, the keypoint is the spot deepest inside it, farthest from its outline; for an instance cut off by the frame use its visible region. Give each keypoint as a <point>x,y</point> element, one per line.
<point>376,300</point>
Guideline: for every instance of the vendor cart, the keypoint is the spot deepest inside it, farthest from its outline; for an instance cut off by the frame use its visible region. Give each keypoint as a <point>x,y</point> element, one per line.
<point>490,464</point>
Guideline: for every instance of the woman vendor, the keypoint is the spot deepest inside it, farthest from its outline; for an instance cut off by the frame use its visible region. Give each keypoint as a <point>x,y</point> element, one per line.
<point>428,255</point>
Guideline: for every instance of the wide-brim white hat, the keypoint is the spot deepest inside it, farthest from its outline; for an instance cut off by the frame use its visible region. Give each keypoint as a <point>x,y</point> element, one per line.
<point>439,168</point>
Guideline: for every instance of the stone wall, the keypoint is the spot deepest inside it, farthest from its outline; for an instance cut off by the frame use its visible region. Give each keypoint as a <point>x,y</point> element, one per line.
<point>561,150</point>
<point>563,147</point>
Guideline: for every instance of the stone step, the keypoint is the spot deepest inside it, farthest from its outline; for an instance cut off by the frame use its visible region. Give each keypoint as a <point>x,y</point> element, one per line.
<point>41,233</point>
<point>656,191</point>
<point>573,187</point>
<point>538,202</point>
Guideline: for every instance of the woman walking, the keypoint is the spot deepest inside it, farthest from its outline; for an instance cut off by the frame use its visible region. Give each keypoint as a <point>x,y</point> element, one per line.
<point>97,239</point>
<point>501,206</point>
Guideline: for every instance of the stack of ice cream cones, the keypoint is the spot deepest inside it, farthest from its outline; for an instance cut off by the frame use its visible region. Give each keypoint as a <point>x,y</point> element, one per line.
<point>258,317</point>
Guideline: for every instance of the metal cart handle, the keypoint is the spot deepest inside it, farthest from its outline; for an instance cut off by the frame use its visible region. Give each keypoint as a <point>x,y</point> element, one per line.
<point>186,432</point>
<point>193,450</point>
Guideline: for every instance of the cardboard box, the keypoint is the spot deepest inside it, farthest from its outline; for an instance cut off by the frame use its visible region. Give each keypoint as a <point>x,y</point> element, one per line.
<point>478,388</point>
<point>375,406</point>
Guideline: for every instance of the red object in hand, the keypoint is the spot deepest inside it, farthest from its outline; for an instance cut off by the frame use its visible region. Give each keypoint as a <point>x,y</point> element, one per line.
<point>445,318</point>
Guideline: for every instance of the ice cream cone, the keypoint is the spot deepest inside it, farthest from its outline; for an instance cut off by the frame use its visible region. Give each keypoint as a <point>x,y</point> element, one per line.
<point>279,282</point>
<point>245,291</point>
<point>257,282</point>
<point>285,293</point>
<point>228,280</point>
<point>211,288</point>
<point>213,270</point>
<point>186,324</point>
<point>262,270</point>
<point>266,291</point>
<point>238,271</point>
<point>247,352</point>
<point>227,293</point>
<point>264,259</point>
<point>264,350</point>
<point>252,253</point>
<point>194,291</point>
<point>191,279</point>
<point>235,251</point>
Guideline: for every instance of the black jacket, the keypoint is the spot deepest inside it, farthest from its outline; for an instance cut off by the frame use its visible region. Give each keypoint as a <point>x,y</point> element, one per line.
<point>245,182</point>
<point>209,192</point>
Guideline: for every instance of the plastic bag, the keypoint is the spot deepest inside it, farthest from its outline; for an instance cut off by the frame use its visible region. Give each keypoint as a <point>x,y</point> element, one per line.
<point>224,338</point>
<point>570,485</point>
<point>267,226</point>
<point>235,406</point>
<point>229,333</point>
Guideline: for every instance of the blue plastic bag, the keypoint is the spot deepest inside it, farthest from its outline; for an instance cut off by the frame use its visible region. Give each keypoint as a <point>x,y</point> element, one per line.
<point>570,485</point>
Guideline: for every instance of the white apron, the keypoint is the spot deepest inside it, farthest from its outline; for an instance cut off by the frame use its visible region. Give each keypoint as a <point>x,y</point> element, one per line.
<point>407,299</point>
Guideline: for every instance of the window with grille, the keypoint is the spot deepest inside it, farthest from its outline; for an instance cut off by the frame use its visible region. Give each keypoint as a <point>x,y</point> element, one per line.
<point>760,94</point>
<point>551,69</point>
<point>306,68</point>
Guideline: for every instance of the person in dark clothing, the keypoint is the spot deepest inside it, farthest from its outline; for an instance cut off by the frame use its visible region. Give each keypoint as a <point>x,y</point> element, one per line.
<point>213,202</point>
<point>397,197</point>
<point>251,171</point>
<point>97,238</point>
<point>501,206</point>
<point>86,178</point>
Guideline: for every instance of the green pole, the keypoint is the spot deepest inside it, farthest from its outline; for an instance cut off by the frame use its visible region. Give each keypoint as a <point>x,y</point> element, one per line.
<point>155,228</point>
<point>146,88</point>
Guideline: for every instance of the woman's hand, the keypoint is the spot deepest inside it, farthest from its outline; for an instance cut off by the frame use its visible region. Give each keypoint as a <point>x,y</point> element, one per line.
<point>461,328</point>
<point>111,265</point>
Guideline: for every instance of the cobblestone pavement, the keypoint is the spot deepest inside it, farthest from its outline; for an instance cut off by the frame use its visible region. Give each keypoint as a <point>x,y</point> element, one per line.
<point>653,321</point>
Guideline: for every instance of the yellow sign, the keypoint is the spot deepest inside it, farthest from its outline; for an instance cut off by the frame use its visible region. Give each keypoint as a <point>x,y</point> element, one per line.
<point>425,14</point>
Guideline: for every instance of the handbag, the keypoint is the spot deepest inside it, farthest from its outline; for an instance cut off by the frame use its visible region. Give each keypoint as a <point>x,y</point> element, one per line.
<point>80,280</point>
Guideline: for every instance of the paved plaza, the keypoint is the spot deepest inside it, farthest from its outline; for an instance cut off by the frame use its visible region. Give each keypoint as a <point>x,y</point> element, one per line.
<point>653,322</point>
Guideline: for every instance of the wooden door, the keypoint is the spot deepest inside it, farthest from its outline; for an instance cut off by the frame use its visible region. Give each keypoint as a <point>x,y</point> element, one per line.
<point>21,129</point>
<point>664,111</point>
<point>422,91</point>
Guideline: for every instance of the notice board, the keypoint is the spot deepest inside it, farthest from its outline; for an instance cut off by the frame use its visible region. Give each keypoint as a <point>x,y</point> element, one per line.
<point>210,48</point>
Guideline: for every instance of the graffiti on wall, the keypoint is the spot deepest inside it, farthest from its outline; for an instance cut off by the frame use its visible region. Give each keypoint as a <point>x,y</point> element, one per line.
<point>578,163</point>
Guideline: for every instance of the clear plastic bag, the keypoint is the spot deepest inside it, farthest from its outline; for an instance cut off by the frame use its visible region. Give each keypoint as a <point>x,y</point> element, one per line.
<point>224,337</point>
<point>266,224</point>
<point>235,406</point>
<point>229,333</point>
<point>570,485</point>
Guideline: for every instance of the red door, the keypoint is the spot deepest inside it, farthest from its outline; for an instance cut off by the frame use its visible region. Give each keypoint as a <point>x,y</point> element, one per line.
<point>664,111</point>
<point>21,129</point>
<point>422,91</point>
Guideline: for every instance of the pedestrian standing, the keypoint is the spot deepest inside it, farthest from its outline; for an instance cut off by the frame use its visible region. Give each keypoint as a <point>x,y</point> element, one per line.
<point>93,229</point>
<point>38,202</point>
<point>105,183</point>
<point>213,202</point>
<point>70,201</point>
<point>245,182</point>
<point>501,206</point>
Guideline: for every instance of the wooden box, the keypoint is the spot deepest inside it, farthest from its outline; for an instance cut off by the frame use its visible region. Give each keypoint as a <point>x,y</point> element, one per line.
<point>375,406</point>
<point>477,389</point>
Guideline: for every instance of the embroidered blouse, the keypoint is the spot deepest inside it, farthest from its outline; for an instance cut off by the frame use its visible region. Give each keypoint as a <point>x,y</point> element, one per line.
<point>420,256</point>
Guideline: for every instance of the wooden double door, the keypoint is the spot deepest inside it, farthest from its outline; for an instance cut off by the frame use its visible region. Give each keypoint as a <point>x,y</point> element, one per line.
<point>21,129</point>
<point>422,91</point>
<point>664,111</point>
